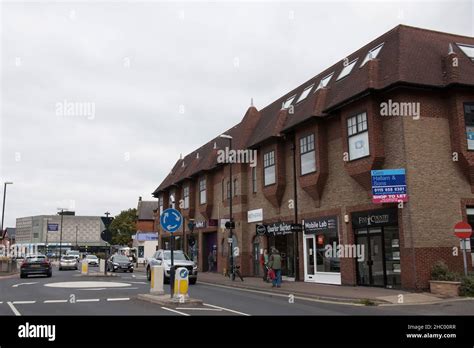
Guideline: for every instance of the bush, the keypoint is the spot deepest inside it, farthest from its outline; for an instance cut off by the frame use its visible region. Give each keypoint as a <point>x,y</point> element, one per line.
<point>440,271</point>
<point>467,286</point>
<point>100,255</point>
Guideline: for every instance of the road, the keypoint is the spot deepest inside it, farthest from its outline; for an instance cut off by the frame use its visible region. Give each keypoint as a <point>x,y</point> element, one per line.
<point>68,293</point>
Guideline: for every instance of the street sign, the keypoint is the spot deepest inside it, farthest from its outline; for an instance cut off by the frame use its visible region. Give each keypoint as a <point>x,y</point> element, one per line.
<point>261,230</point>
<point>106,236</point>
<point>389,186</point>
<point>296,227</point>
<point>171,220</point>
<point>463,230</point>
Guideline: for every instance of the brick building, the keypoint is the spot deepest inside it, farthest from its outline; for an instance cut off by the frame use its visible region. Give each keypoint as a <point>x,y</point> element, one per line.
<point>403,101</point>
<point>146,215</point>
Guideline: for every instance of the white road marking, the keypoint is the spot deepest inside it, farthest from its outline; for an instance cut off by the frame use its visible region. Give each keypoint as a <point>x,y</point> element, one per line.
<point>89,300</point>
<point>23,302</point>
<point>119,299</point>
<point>17,285</point>
<point>93,289</point>
<point>199,309</point>
<point>1,302</point>
<point>282,295</point>
<point>174,311</point>
<point>55,301</point>
<point>15,311</point>
<point>139,282</point>
<point>227,309</point>
<point>87,284</point>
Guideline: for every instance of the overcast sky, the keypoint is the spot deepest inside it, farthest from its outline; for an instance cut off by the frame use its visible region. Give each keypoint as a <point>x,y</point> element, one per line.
<point>160,79</point>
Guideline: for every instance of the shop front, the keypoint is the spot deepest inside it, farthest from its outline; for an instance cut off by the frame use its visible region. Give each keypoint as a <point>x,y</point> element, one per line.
<point>320,245</point>
<point>208,252</point>
<point>376,234</point>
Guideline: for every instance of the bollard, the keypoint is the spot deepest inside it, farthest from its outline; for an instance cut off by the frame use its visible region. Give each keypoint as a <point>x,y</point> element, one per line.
<point>101,266</point>
<point>85,267</point>
<point>181,284</point>
<point>157,277</point>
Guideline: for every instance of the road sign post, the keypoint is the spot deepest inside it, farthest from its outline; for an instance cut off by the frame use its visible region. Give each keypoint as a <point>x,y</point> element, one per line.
<point>463,231</point>
<point>171,220</point>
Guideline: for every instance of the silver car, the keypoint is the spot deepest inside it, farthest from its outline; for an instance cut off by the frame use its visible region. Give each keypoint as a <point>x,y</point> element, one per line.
<point>67,262</point>
<point>180,259</point>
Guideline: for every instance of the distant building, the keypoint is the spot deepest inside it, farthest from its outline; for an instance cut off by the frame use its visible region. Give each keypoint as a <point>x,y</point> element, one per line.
<point>146,215</point>
<point>8,236</point>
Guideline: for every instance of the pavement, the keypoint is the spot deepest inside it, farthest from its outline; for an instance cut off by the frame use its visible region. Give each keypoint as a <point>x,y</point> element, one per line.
<point>70,293</point>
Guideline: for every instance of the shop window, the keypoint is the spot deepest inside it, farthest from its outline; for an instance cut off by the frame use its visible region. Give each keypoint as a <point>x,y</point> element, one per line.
<point>327,261</point>
<point>307,154</point>
<point>269,168</point>
<point>469,122</point>
<point>202,191</point>
<point>357,131</point>
<point>254,179</point>
<point>186,197</point>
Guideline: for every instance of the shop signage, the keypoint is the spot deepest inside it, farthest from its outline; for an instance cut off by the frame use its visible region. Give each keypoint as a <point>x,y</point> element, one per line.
<point>255,215</point>
<point>279,228</point>
<point>146,236</point>
<point>205,223</point>
<point>375,218</point>
<point>296,227</point>
<point>326,224</point>
<point>389,186</point>
<point>53,227</point>
<point>261,230</point>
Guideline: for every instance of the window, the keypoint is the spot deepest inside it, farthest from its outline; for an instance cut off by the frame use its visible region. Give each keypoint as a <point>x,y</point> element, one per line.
<point>228,190</point>
<point>235,187</point>
<point>171,201</point>
<point>469,121</point>
<point>347,69</point>
<point>269,168</point>
<point>186,196</point>
<point>254,179</point>
<point>358,134</point>
<point>305,93</point>
<point>160,202</point>
<point>468,50</point>
<point>307,154</point>
<point>288,102</point>
<point>324,81</point>
<point>373,53</point>
<point>202,191</point>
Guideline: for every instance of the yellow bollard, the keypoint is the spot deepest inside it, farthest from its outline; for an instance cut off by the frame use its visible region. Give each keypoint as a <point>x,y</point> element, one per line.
<point>84,267</point>
<point>181,284</point>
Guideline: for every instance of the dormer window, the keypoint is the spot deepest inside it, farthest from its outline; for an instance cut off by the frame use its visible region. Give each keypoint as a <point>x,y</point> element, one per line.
<point>186,196</point>
<point>358,133</point>
<point>269,172</point>
<point>305,93</point>
<point>202,191</point>
<point>324,81</point>
<point>468,50</point>
<point>347,69</point>
<point>373,53</point>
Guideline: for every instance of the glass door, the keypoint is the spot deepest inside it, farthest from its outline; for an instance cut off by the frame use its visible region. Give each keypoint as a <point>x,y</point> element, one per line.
<point>310,257</point>
<point>363,266</point>
<point>371,269</point>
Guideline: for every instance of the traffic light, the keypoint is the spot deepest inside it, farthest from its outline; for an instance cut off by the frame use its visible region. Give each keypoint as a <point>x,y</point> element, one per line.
<point>191,240</point>
<point>230,224</point>
<point>106,235</point>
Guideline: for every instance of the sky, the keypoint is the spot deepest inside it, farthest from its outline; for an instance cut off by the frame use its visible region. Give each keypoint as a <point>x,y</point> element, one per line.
<point>99,99</point>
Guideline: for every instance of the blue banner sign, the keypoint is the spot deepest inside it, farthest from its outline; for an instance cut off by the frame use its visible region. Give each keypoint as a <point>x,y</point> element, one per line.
<point>389,186</point>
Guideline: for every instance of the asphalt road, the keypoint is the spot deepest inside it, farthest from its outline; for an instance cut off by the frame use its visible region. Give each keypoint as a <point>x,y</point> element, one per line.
<point>67,293</point>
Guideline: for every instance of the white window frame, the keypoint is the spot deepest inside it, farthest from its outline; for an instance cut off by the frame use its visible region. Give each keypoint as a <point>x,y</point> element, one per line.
<point>308,150</point>
<point>254,179</point>
<point>186,196</point>
<point>465,48</point>
<point>346,70</point>
<point>370,55</point>
<point>357,130</point>
<point>324,81</point>
<point>305,93</point>
<point>269,168</point>
<point>288,102</point>
<point>202,191</point>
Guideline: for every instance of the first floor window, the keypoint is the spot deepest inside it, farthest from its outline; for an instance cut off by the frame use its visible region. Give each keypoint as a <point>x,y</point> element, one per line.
<point>254,179</point>
<point>469,121</point>
<point>307,154</point>
<point>186,197</point>
<point>358,133</point>
<point>202,191</point>
<point>161,205</point>
<point>228,190</point>
<point>269,168</point>
<point>235,187</point>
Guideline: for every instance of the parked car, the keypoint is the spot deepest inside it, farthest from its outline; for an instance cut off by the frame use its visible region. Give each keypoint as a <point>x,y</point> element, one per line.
<point>74,253</point>
<point>92,260</point>
<point>119,263</point>
<point>180,259</point>
<point>36,264</point>
<point>67,262</point>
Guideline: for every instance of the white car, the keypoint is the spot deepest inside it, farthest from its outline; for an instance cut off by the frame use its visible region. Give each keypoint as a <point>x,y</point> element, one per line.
<point>67,262</point>
<point>92,260</point>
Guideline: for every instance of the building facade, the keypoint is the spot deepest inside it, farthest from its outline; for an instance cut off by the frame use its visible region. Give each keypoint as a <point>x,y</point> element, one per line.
<point>403,101</point>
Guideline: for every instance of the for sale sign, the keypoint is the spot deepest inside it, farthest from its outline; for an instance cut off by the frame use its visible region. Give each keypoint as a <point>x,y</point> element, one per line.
<point>389,186</point>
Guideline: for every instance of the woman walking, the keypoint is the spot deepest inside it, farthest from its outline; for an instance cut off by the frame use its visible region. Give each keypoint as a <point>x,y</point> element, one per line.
<point>274,262</point>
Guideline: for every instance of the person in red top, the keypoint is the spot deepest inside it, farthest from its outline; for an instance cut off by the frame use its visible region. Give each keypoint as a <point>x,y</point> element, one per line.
<point>264,262</point>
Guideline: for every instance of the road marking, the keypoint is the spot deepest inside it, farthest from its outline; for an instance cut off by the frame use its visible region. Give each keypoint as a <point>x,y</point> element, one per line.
<point>55,301</point>
<point>12,307</point>
<point>17,285</point>
<point>174,311</point>
<point>138,282</point>
<point>119,299</point>
<point>1,302</point>
<point>89,300</point>
<point>23,302</point>
<point>227,309</point>
<point>283,295</point>
<point>93,289</point>
<point>199,309</point>
<point>87,284</point>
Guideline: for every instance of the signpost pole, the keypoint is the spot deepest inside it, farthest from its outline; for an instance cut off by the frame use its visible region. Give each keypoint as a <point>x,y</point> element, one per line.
<point>464,244</point>
<point>463,231</point>
<point>172,267</point>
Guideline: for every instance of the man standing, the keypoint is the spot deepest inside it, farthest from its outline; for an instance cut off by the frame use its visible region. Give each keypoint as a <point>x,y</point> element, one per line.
<point>210,261</point>
<point>274,262</point>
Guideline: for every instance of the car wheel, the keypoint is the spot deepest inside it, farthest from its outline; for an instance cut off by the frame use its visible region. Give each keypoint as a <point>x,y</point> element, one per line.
<point>60,269</point>
<point>131,271</point>
<point>49,274</point>
<point>148,273</point>
<point>22,275</point>
<point>192,281</point>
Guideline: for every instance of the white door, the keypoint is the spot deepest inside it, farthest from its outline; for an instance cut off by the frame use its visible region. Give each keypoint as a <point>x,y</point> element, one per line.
<point>309,258</point>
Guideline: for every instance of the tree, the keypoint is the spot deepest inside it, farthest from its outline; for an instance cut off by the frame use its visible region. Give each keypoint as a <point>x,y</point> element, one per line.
<point>123,227</point>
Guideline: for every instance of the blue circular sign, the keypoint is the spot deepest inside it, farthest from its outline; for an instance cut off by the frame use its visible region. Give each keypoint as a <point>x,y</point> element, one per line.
<point>171,220</point>
<point>183,273</point>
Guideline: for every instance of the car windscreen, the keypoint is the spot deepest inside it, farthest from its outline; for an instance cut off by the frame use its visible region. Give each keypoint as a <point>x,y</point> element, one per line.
<point>177,255</point>
<point>91,257</point>
<point>121,258</point>
<point>73,252</point>
<point>36,259</point>
<point>68,258</point>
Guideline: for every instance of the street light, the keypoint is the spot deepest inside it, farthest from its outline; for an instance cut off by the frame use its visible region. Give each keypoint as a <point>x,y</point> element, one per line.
<point>4,197</point>
<point>61,232</point>
<point>231,253</point>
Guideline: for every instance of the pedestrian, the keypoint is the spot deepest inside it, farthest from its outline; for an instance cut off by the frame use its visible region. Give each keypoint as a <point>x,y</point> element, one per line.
<point>274,262</point>
<point>264,263</point>
<point>210,261</point>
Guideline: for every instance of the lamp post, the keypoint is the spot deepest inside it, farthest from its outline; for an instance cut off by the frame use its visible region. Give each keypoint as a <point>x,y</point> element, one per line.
<point>4,198</point>
<point>61,232</point>
<point>231,239</point>
<point>77,246</point>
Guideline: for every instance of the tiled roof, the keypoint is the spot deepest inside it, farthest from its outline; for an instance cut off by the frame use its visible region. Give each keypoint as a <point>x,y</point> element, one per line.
<point>409,55</point>
<point>145,209</point>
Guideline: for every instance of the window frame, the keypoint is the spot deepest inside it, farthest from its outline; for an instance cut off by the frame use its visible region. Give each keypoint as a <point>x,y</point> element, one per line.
<point>471,104</point>
<point>254,179</point>
<point>186,196</point>
<point>321,85</point>
<point>267,165</point>
<point>461,45</point>
<point>305,149</point>
<point>202,189</point>
<point>307,90</point>
<point>344,67</point>
<point>357,132</point>
<point>367,57</point>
